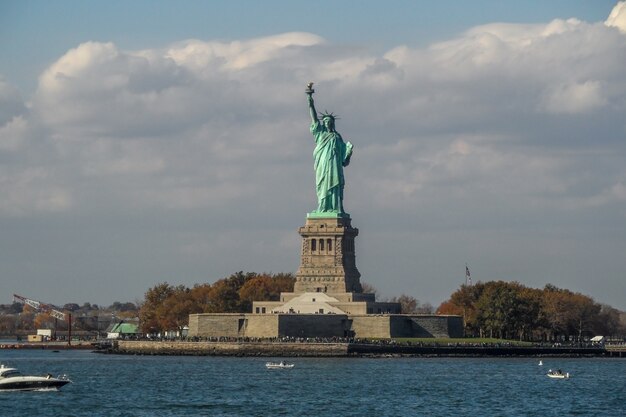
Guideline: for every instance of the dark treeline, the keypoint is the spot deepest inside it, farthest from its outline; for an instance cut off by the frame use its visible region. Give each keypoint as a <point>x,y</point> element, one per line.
<point>509,310</point>
<point>167,307</point>
<point>18,317</point>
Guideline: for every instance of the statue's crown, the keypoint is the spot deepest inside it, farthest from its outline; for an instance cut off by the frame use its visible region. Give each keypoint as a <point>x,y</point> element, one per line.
<point>330,115</point>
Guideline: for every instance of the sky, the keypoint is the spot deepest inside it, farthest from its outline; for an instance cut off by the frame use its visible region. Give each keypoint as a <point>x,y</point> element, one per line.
<point>157,141</point>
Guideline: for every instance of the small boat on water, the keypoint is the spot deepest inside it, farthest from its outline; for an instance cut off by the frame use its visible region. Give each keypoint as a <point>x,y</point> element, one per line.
<point>558,374</point>
<point>279,365</point>
<point>12,380</point>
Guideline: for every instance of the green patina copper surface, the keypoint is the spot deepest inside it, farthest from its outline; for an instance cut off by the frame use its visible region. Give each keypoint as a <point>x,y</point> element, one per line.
<point>330,156</point>
<point>326,215</point>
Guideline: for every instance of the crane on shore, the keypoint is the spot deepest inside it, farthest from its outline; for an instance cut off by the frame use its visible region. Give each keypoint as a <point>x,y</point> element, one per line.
<point>48,308</point>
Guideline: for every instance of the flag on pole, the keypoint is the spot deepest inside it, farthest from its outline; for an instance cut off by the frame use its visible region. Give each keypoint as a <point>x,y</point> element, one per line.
<point>468,276</point>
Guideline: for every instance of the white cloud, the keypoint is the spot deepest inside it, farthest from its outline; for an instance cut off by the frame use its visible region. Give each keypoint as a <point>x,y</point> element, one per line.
<point>30,191</point>
<point>619,191</point>
<point>617,17</point>
<point>237,55</point>
<point>11,103</point>
<point>575,98</point>
<point>187,114</point>
<point>13,134</point>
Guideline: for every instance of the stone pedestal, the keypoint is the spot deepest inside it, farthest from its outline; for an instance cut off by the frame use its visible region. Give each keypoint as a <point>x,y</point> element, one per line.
<point>327,281</point>
<point>328,262</point>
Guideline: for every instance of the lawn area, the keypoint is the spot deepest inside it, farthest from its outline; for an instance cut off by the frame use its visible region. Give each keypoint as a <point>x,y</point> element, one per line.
<point>463,341</point>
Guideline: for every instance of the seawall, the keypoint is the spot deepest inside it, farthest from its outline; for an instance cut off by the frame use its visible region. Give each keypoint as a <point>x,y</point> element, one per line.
<point>478,351</point>
<point>230,348</point>
<point>47,345</point>
<point>313,349</point>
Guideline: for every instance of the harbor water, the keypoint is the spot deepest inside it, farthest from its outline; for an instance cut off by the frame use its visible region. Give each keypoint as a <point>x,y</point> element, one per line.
<point>119,385</point>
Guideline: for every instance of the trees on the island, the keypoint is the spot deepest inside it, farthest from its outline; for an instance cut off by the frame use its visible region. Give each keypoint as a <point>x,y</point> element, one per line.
<point>150,313</point>
<point>511,310</point>
<point>44,321</point>
<point>411,305</point>
<point>608,321</point>
<point>408,304</point>
<point>569,314</point>
<point>264,287</point>
<point>166,307</point>
<point>369,289</point>
<point>504,310</point>
<point>8,324</point>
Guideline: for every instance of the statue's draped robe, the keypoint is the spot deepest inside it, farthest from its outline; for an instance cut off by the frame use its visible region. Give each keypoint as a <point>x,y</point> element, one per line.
<point>331,154</point>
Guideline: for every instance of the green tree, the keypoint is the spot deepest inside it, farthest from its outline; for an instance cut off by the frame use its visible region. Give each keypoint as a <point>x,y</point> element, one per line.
<point>497,308</point>
<point>608,322</point>
<point>224,296</point>
<point>173,312</point>
<point>530,317</point>
<point>264,287</point>
<point>449,308</point>
<point>369,289</point>
<point>568,314</point>
<point>201,295</point>
<point>463,302</point>
<point>151,310</point>
<point>584,313</point>
<point>8,324</point>
<point>553,311</point>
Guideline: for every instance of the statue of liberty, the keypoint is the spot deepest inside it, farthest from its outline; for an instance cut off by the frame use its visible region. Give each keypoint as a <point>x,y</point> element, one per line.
<point>331,154</point>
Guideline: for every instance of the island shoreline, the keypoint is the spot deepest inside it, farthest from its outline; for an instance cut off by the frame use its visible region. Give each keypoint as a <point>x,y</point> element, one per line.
<point>323,349</point>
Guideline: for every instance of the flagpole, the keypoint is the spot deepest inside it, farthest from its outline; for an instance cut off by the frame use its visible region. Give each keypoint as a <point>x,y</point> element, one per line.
<point>468,276</point>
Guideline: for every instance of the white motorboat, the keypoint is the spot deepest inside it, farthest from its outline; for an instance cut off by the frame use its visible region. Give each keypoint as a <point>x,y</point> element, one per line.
<point>558,374</point>
<point>12,380</point>
<point>279,365</point>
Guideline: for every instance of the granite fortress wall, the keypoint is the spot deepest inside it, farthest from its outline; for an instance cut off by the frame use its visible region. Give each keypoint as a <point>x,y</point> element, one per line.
<point>406,325</point>
<point>324,325</point>
<point>268,325</point>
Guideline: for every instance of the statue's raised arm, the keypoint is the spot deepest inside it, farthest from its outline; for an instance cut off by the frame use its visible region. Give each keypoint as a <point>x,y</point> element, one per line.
<point>309,93</point>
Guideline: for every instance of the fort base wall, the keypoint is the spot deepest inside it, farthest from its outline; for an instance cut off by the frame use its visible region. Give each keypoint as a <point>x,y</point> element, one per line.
<point>365,326</point>
<point>268,325</point>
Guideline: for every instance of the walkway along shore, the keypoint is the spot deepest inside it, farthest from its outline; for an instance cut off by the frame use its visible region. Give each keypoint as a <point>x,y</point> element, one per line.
<point>320,349</point>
